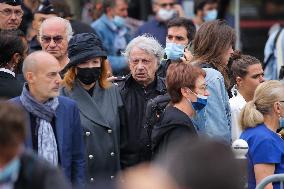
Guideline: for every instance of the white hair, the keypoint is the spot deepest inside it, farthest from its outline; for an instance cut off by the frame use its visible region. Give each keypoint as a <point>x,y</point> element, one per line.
<point>147,43</point>
<point>68,27</point>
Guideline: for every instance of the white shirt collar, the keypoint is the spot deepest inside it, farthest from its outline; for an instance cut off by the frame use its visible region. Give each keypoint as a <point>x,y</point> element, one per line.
<point>7,71</point>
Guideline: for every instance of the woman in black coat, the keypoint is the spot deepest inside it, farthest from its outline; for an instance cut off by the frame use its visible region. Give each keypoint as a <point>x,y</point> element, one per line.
<point>100,105</point>
<point>187,89</point>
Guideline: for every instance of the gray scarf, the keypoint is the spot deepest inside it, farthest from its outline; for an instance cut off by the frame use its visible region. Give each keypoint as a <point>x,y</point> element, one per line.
<point>47,147</point>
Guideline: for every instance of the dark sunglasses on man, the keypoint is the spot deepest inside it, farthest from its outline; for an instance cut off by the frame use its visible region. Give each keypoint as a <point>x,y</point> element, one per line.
<point>56,39</point>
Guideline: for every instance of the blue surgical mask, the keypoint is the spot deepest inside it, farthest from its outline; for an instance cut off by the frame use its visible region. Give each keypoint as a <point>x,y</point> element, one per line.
<point>281,122</point>
<point>200,103</point>
<point>211,15</point>
<point>174,51</point>
<point>10,171</point>
<point>119,21</point>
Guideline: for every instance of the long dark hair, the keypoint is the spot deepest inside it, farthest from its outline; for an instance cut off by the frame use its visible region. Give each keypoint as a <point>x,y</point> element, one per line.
<point>210,44</point>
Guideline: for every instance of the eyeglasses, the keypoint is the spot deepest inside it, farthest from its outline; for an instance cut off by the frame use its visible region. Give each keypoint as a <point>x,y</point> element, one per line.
<point>9,12</point>
<point>164,5</point>
<point>56,39</point>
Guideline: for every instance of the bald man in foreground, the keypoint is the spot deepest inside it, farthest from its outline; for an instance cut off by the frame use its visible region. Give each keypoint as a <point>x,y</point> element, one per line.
<point>55,133</point>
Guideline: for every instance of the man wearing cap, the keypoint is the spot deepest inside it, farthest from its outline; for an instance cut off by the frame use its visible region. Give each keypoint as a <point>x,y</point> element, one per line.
<point>44,11</point>
<point>11,14</point>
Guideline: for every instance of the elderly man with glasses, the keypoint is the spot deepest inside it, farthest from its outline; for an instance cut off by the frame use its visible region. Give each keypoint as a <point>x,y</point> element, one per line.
<point>11,14</point>
<point>54,34</point>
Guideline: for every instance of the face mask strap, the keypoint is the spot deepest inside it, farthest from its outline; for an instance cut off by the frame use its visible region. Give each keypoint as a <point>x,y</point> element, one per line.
<point>197,95</point>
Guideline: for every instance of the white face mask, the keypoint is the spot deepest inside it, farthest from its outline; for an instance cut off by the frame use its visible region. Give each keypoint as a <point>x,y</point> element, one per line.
<point>165,14</point>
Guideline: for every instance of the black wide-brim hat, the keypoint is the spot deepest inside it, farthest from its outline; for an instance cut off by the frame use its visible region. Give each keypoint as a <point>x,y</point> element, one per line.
<point>83,47</point>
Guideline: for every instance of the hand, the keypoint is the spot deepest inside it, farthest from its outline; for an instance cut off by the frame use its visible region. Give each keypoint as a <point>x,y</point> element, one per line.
<point>187,56</point>
<point>179,10</point>
<point>111,78</point>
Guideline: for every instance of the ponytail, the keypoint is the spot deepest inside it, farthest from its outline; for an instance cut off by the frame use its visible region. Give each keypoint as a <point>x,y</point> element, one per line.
<point>250,116</point>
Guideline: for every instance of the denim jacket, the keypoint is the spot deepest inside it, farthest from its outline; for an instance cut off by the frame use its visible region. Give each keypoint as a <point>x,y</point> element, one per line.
<point>271,69</point>
<point>215,119</point>
<point>114,40</point>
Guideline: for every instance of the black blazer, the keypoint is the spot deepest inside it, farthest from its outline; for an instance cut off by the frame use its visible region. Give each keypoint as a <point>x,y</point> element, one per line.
<point>10,87</point>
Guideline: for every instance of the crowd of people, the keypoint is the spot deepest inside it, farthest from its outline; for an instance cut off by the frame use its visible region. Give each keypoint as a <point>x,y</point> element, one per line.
<point>76,97</point>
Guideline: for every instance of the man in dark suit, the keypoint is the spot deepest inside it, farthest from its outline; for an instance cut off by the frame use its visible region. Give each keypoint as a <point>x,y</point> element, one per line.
<point>55,131</point>
<point>13,51</point>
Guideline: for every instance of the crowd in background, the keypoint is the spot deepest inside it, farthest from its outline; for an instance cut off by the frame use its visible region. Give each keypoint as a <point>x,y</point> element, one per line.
<point>110,101</point>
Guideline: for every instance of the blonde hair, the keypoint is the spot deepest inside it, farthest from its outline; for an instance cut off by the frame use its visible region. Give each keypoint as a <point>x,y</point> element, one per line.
<point>266,94</point>
<point>70,76</point>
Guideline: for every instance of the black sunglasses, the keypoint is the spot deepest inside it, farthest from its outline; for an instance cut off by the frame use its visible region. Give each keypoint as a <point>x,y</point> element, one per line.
<point>56,39</point>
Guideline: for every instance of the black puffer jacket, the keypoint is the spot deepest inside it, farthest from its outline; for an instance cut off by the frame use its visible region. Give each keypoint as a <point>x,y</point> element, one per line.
<point>173,126</point>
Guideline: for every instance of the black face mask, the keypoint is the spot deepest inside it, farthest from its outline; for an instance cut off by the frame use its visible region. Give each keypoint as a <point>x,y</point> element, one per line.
<point>88,75</point>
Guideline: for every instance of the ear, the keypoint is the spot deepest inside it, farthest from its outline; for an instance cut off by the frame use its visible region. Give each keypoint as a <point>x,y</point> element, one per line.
<point>183,92</point>
<point>109,11</point>
<point>39,39</point>
<point>34,24</point>
<point>29,76</point>
<point>277,107</point>
<point>155,7</point>
<point>200,13</point>
<point>16,58</point>
<point>239,80</point>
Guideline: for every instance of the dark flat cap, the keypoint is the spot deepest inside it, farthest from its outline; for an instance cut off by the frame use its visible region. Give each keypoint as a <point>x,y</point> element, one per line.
<point>45,8</point>
<point>12,2</point>
<point>83,47</point>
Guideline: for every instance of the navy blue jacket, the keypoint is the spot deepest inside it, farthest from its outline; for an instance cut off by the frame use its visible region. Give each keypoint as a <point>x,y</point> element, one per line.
<point>69,138</point>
